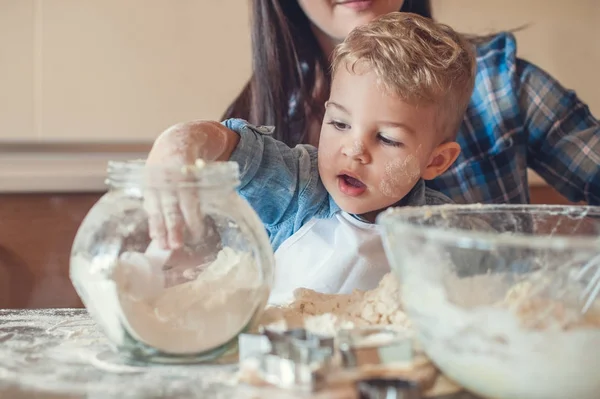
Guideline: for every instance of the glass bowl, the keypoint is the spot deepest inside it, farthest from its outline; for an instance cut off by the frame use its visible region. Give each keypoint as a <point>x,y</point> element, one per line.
<point>499,295</point>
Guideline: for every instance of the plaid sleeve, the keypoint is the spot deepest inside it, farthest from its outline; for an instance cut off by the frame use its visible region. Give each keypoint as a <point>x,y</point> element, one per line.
<point>563,136</point>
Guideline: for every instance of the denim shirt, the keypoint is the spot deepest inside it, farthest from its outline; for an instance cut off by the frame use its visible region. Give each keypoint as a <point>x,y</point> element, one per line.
<point>283,186</point>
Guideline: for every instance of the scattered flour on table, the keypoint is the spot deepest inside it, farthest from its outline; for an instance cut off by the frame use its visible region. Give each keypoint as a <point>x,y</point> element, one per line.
<point>57,351</point>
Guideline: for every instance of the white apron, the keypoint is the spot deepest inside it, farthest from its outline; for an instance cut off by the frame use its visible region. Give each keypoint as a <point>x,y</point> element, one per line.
<point>333,256</point>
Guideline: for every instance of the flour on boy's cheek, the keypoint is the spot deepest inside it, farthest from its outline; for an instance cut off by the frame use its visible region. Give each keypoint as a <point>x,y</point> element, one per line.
<point>399,175</point>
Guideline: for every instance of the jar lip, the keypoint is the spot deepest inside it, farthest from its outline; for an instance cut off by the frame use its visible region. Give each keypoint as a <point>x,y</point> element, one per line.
<point>132,173</point>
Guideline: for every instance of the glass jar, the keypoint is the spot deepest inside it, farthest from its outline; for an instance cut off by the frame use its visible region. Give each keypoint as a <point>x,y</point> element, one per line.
<point>186,305</point>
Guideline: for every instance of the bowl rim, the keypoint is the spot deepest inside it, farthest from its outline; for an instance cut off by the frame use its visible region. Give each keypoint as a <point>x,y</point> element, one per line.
<point>391,217</point>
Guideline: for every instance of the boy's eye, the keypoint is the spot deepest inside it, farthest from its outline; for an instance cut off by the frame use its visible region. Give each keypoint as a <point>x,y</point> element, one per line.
<point>389,142</point>
<point>339,125</point>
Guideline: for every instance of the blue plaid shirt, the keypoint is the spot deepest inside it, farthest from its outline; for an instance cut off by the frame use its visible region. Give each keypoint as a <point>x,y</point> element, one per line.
<point>520,117</point>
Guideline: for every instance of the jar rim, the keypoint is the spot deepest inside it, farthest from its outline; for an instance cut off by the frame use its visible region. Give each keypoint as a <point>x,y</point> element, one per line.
<point>135,173</point>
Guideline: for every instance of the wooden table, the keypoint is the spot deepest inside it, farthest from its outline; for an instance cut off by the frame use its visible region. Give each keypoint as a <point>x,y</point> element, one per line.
<point>60,354</point>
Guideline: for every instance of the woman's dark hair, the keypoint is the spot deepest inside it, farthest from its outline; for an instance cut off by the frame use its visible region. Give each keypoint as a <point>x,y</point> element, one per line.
<point>287,64</point>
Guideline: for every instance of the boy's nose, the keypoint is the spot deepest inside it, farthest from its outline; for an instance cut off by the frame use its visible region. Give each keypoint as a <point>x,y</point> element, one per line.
<point>357,150</point>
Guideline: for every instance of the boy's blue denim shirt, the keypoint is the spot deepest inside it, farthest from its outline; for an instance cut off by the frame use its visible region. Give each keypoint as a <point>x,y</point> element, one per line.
<point>283,186</point>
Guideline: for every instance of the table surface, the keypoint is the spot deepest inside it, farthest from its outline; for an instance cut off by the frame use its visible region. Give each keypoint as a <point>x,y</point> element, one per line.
<point>60,354</point>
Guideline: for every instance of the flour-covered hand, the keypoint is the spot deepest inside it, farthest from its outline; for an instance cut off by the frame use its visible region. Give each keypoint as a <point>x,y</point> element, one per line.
<point>170,197</point>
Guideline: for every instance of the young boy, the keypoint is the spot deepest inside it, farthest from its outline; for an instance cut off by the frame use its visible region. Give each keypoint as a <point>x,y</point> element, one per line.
<point>400,86</point>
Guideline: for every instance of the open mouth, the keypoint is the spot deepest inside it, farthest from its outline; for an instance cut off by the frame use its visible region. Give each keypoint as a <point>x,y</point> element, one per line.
<point>350,185</point>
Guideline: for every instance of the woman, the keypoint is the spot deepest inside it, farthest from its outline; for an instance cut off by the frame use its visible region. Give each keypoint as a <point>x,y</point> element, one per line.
<point>519,116</point>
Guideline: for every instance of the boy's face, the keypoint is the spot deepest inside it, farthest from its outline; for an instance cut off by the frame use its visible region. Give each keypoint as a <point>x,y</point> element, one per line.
<point>374,147</point>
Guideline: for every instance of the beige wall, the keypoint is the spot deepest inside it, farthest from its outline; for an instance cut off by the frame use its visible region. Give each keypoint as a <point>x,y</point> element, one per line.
<point>562,37</point>
<point>122,70</point>
<point>117,70</point>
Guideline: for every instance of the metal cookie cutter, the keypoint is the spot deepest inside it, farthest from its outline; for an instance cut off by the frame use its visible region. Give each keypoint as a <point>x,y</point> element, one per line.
<point>373,346</point>
<point>292,359</point>
<point>383,388</point>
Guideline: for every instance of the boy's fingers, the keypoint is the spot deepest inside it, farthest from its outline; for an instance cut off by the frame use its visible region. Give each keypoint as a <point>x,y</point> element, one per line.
<point>191,210</point>
<point>173,218</point>
<point>156,222</point>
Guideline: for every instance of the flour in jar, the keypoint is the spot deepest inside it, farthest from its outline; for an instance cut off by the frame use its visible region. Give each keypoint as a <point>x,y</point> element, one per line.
<point>194,316</point>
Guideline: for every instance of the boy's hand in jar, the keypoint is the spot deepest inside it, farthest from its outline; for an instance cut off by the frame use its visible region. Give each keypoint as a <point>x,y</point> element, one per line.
<point>173,206</point>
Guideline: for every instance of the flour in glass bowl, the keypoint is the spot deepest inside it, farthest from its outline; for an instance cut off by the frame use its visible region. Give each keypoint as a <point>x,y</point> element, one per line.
<point>501,350</point>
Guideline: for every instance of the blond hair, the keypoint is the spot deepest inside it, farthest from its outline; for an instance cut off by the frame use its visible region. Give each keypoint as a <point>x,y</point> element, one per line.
<point>417,59</point>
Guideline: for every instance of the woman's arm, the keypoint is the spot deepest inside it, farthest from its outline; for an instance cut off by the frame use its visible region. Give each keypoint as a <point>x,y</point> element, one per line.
<point>563,136</point>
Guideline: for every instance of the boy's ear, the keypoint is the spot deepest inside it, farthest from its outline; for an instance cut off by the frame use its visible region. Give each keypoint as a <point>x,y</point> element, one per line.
<point>442,157</point>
